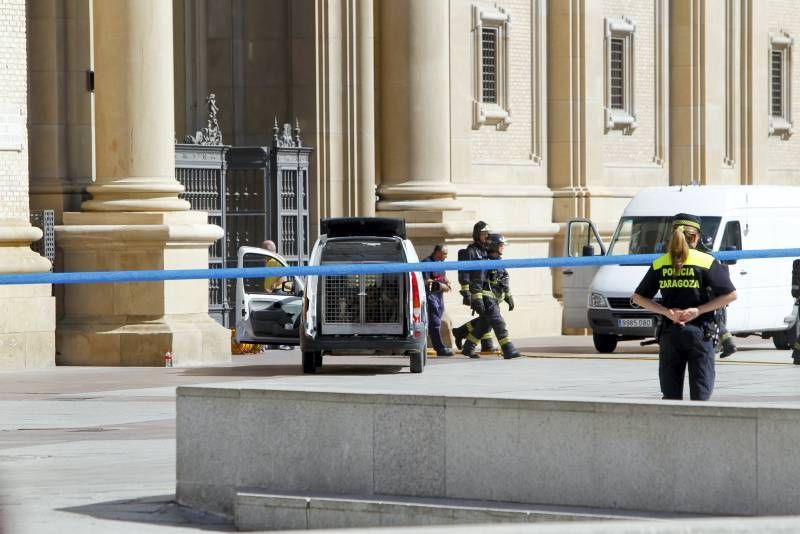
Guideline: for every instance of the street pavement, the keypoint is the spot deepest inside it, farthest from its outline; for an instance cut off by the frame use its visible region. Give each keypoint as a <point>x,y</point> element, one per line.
<point>92,449</point>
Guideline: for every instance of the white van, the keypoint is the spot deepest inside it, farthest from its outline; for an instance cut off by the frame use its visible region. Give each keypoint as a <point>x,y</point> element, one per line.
<point>364,313</point>
<point>732,218</point>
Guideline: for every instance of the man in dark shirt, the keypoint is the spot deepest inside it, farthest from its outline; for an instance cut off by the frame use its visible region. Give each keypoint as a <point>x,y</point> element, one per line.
<point>436,285</point>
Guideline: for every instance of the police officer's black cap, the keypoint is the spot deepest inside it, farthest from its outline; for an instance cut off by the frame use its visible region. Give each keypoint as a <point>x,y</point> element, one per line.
<point>686,219</point>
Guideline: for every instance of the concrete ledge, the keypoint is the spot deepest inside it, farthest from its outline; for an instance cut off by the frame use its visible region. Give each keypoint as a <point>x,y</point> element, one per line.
<point>776,525</point>
<point>256,510</point>
<point>700,458</point>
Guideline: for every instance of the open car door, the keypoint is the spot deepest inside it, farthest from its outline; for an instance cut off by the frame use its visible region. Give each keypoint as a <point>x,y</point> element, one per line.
<point>582,240</point>
<point>262,315</point>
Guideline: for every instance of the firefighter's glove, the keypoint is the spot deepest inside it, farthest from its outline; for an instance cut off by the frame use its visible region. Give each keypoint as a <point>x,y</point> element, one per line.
<point>466,298</point>
<point>510,302</point>
<point>477,306</point>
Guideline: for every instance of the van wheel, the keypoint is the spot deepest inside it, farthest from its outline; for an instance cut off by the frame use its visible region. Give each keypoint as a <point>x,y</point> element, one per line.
<point>417,362</point>
<point>604,343</point>
<point>309,362</point>
<point>785,339</point>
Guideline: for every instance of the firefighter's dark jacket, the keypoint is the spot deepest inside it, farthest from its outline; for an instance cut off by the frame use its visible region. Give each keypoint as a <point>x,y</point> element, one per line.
<point>492,284</point>
<point>474,251</point>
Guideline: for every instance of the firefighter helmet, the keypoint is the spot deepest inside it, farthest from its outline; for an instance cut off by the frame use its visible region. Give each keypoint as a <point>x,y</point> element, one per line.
<point>494,241</point>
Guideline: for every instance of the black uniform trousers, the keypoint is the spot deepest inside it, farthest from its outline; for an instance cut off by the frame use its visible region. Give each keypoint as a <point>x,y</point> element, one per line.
<point>682,346</point>
<point>490,319</point>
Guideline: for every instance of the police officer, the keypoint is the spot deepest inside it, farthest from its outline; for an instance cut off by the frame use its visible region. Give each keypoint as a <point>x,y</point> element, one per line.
<point>720,316</point>
<point>693,284</point>
<point>474,251</point>
<point>436,285</point>
<point>488,289</point>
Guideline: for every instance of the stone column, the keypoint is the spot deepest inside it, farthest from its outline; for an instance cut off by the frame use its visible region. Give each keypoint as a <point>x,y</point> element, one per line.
<point>27,312</point>
<point>135,219</point>
<point>366,107</point>
<point>415,107</point>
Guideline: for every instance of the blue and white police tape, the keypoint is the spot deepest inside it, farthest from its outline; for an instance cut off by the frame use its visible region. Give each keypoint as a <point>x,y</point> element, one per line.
<point>364,268</point>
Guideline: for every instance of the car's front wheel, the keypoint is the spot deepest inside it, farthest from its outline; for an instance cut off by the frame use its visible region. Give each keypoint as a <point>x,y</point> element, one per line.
<point>418,361</point>
<point>605,343</point>
<point>785,339</point>
<point>310,362</point>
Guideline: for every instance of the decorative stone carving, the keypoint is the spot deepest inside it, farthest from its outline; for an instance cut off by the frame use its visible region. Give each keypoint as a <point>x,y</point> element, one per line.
<point>283,138</point>
<point>211,134</point>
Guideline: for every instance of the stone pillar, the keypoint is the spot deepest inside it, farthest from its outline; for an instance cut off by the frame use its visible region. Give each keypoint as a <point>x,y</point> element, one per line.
<point>415,107</point>
<point>365,92</point>
<point>59,122</point>
<point>27,312</point>
<point>135,219</point>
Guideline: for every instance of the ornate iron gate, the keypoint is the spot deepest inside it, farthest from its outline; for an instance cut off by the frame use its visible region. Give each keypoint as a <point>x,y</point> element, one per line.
<point>201,171</point>
<point>46,246</point>
<point>253,193</point>
<point>290,190</point>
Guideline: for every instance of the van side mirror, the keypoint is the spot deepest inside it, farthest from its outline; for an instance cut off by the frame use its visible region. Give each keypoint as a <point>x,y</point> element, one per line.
<point>287,286</point>
<point>588,250</point>
<point>729,262</point>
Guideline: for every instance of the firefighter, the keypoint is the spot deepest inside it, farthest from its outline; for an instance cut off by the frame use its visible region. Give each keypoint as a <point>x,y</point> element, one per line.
<point>726,338</point>
<point>488,288</point>
<point>693,284</point>
<point>474,251</point>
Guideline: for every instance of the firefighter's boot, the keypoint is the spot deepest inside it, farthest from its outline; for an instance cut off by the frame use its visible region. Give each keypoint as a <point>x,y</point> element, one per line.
<point>510,351</point>
<point>487,345</point>
<point>459,333</point>
<point>728,347</point>
<point>470,349</point>
<point>796,353</point>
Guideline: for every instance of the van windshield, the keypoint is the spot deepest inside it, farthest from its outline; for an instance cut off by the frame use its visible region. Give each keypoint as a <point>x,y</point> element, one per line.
<point>650,235</point>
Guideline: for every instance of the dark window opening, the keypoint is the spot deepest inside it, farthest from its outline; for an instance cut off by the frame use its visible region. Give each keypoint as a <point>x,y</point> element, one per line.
<point>489,65</point>
<point>776,84</point>
<point>617,73</point>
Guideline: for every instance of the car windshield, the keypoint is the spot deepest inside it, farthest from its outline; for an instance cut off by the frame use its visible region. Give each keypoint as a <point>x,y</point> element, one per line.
<point>650,235</point>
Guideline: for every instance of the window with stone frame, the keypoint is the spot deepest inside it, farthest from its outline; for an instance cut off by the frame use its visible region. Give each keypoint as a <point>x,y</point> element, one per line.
<point>491,26</point>
<point>620,111</point>
<point>780,93</point>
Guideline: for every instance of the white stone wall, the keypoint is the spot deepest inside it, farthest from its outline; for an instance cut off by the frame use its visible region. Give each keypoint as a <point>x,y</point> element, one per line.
<point>13,95</point>
<point>639,146</point>
<point>783,156</point>
<point>514,143</point>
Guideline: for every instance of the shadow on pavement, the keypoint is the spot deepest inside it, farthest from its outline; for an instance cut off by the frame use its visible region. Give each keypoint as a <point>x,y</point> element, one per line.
<point>157,510</point>
<point>291,370</point>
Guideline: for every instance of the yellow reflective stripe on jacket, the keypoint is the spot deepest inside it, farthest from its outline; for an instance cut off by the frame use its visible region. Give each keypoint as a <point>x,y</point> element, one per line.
<point>464,287</point>
<point>695,258</point>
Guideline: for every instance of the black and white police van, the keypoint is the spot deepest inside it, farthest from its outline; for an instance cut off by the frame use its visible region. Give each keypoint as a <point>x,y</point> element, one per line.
<point>349,314</point>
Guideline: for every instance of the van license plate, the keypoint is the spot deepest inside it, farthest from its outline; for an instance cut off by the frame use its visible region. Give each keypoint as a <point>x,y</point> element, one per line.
<point>635,323</point>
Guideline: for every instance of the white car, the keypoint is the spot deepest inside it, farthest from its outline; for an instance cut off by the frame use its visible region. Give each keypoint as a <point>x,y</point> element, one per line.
<point>267,317</point>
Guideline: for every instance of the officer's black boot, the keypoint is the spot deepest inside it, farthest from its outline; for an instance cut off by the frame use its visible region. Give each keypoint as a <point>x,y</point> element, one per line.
<point>510,351</point>
<point>459,333</point>
<point>487,345</point>
<point>728,347</point>
<point>470,349</point>
<point>796,353</point>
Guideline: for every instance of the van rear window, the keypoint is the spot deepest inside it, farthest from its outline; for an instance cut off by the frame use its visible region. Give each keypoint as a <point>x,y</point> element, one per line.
<point>363,250</point>
<point>650,235</point>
